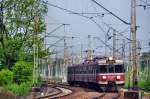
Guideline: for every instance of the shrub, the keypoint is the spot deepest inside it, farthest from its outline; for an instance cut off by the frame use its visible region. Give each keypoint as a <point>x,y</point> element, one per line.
<point>21,89</point>
<point>144,85</point>
<point>6,77</point>
<point>22,71</point>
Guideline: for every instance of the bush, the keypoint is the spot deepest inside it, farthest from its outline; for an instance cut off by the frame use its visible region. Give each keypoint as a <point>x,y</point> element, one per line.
<point>22,71</point>
<point>6,77</point>
<point>21,89</point>
<point>144,85</point>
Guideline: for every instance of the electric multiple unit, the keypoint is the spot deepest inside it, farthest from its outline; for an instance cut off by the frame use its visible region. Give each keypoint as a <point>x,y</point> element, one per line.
<point>100,72</point>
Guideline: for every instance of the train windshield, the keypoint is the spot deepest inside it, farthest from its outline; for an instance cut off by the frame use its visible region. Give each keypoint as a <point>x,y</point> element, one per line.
<point>103,69</point>
<point>111,68</point>
<point>119,68</point>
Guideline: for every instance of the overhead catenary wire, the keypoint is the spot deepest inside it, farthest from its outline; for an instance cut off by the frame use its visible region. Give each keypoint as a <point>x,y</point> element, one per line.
<point>109,27</point>
<point>110,47</point>
<point>54,30</point>
<point>91,18</point>
<point>145,2</point>
<point>80,14</point>
<point>56,42</point>
<point>111,13</point>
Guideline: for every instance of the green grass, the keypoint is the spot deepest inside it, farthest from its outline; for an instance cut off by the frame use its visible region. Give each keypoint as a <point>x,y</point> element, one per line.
<point>21,89</point>
<point>143,82</point>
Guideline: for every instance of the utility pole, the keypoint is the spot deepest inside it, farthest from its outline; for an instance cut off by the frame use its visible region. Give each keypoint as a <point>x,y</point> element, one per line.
<point>89,52</point>
<point>106,38</point>
<point>123,49</point>
<point>129,65</point>
<point>134,52</point>
<point>72,61</point>
<point>81,51</point>
<point>65,47</point>
<point>35,51</point>
<point>65,56</point>
<point>114,43</point>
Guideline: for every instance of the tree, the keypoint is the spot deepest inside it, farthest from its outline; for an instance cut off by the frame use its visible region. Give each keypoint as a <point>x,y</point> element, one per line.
<point>18,28</point>
<point>22,71</point>
<point>6,77</point>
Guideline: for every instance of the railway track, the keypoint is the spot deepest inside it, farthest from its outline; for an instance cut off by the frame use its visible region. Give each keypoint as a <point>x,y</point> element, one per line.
<point>108,96</point>
<point>64,91</point>
<point>55,91</point>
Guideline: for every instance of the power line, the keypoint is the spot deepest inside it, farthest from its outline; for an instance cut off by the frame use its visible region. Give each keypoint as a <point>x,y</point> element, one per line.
<point>64,9</point>
<point>54,30</point>
<point>113,28</point>
<point>120,33</point>
<point>111,13</point>
<point>145,2</point>
<point>56,42</point>
<point>80,14</point>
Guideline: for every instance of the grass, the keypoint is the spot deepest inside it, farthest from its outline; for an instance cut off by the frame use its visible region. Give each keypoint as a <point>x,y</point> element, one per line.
<point>143,82</point>
<point>21,89</point>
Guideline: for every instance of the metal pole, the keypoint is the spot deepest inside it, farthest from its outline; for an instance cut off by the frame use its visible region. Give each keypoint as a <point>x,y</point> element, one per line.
<point>106,37</point>
<point>35,51</point>
<point>123,49</point>
<point>89,47</point>
<point>65,57</point>
<point>133,34</point>
<point>114,43</point>
<point>81,51</point>
<point>129,66</point>
<point>72,52</point>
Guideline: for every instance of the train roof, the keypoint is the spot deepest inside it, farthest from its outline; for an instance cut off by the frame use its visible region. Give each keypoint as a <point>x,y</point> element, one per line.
<point>107,61</point>
<point>85,64</point>
<point>100,62</point>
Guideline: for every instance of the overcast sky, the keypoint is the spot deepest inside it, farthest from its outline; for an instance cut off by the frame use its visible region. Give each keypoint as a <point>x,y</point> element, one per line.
<point>80,27</point>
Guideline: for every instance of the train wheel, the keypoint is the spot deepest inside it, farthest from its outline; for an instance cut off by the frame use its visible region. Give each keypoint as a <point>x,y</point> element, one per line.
<point>71,83</point>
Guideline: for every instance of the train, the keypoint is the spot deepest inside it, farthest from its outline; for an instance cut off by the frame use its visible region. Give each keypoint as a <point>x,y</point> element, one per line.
<point>103,73</point>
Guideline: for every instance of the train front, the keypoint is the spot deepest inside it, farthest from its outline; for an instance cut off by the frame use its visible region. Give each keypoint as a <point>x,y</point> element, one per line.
<point>111,72</point>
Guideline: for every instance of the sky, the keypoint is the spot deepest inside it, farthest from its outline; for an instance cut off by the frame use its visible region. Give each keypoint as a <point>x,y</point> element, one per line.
<point>80,27</point>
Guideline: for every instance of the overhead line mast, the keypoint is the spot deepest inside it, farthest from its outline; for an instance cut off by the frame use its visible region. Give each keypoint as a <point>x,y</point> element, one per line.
<point>134,51</point>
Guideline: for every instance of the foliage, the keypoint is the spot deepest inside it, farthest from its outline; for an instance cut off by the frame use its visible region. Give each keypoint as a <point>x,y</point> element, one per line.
<point>22,26</point>
<point>22,71</point>
<point>21,89</point>
<point>6,77</point>
<point>21,20</point>
<point>144,84</point>
<point>126,80</point>
<point>144,81</point>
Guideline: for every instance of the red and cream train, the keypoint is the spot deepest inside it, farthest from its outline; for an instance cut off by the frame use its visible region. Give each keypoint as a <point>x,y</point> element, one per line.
<point>98,72</point>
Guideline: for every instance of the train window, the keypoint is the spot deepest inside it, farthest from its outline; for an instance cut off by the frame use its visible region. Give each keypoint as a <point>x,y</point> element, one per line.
<point>119,69</point>
<point>103,69</point>
<point>111,68</point>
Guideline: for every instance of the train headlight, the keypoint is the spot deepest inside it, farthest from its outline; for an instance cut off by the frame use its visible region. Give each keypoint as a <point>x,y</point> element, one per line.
<point>104,77</point>
<point>118,77</point>
<point>110,58</point>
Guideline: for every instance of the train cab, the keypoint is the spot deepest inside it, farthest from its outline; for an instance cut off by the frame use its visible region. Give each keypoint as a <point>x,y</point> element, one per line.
<point>111,71</point>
